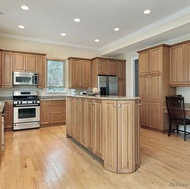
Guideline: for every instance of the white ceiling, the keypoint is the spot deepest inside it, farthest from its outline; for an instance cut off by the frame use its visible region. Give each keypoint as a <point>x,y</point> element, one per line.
<point>46,19</point>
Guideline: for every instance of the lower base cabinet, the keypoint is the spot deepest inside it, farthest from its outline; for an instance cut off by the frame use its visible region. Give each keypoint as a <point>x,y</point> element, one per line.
<point>9,116</point>
<point>52,112</point>
<point>109,129</point>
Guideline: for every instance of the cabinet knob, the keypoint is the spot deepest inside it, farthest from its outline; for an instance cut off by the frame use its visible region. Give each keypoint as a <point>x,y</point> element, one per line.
<point>114,105</point>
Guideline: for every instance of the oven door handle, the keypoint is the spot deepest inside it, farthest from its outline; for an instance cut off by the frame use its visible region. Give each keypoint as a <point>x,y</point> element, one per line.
<point>27,105</point>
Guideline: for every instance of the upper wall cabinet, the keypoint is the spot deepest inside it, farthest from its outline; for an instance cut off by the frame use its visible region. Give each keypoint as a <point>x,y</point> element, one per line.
<point>79,72</point>
<point>180,64</point>
<point>24,62</point>
<point>21,61</point>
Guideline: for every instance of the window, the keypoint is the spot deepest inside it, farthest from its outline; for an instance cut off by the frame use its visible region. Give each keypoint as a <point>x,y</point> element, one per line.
<point>55,76</point>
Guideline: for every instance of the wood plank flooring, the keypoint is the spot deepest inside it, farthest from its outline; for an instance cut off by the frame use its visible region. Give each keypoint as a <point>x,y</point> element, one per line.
<point>45,159</point>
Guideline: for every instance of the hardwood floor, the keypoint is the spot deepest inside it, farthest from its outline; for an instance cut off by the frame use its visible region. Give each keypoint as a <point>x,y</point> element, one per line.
<point>45,159</point>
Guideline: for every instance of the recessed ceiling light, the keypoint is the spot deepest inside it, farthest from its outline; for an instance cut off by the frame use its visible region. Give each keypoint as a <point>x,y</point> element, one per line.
<point>63,34</point>
<point>147,11</point>
<point>96,40</point>
<point>20,26</point>
<point>1,13</point>
<point>24,7</point>
<point>77,20</point>
<point>116,29</point>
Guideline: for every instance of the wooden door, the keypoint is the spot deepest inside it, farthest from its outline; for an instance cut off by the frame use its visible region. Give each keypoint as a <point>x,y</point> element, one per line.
<point>112,67</point>
<point>41,69</point>
<point>68,116</point>
<point>110,135</point>
<point>103,66</point>
<point>83,120</point>
<point>144,93</point>
<point>187,59</point>
<point>31,62</point>
<point>89,126</point>
<point>120,69</point>
<point>75,72</point>
<point>98,129</point>
<point>144,62</point>
<point>6,69</point>
<point>178,68</point>
<point>156,60</point>
<point>9,115</point>
<point>86,73</point>
<point>44,112</point>
<point>125,129</point>
<point>19,62</point>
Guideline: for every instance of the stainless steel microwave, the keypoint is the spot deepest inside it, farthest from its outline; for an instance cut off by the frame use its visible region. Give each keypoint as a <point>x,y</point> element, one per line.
<point>25,78</point>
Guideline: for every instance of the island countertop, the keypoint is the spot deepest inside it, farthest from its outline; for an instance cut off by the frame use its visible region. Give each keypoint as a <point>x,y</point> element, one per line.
<point>106,97</point>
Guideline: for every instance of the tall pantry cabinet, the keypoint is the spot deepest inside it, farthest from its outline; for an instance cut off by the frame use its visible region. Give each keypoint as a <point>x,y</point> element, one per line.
<point>154,80</point>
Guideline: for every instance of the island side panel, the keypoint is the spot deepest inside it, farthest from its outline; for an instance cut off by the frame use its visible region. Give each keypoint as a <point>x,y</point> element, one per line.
<point>110,135</point>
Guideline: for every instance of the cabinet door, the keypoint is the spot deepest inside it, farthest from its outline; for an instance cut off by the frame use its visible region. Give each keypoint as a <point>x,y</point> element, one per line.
<point>156,60</point>
<point>6,69</point>
<point>110,135</point>
<point>90,112</point>
<point>44,112</point>
<point>73,117</point>
<point>83,124</point>
<point>68,116</point>
<point>155,89</point>
<point>121,87</point>
<point>77,122</point>
<point>9,115</point>
<point>178,67</point>
<point>85,73</point>
<point>75,72</point>
<point>187,57</point>
<point>97,129</point>
<point>112,67</point>
<point>120,69</point>
<point>0,67</point>
<point>144,63</point>
<point>19,60</point>
<point>144,92</point>
<point>103,66</point>
<point>41,69</point>
<point>31,63</point>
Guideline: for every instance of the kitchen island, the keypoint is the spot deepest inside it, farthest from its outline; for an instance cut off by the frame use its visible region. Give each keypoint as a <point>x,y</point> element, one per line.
<point>108,126</point>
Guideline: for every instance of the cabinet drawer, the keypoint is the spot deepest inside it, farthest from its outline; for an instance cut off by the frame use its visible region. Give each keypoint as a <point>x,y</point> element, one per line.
<point>57,109</point>
<point>57,103</point>
<point>56,118</point>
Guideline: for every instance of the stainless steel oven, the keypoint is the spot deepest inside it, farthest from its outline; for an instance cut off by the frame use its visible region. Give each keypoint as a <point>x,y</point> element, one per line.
<point>26,110</point>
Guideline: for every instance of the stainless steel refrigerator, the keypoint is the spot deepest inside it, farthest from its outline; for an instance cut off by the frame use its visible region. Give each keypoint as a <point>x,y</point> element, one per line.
<point>108,85</point>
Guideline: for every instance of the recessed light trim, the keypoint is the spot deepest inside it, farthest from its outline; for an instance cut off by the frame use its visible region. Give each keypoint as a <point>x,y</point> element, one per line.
<point>63,34</point>
<point>77,19</point>
<point>96,40</point>
<point>21,26</point>
<point>147,11</point>
<point>116,29</point>
<point>24,7</point>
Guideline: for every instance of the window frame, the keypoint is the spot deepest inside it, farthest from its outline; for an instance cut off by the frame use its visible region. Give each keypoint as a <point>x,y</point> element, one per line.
<point>64,76</point>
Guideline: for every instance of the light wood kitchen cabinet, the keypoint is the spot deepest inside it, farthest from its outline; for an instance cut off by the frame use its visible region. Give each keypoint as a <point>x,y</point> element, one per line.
<point>9,115</point>
<point>0,67</point>
<point>52,112</point>
<point>154,81</point>
<point>44,112</point>
<point>79,73</point>
<point>104,66</point>
<point>0,136</point>
<point>41,69</point>
<point>180,64</point>
<point>6,69</point>
<point>119,144</point>
<point>24,62</point>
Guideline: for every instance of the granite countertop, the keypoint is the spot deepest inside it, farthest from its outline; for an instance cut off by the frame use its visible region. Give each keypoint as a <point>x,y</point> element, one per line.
<point>52,97</point>
<point>108,97</point>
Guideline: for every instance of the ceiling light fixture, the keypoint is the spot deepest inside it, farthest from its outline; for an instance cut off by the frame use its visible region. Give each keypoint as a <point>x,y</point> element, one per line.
<point>21,27</point>
<point>147,11</point>
<point>96,40</point>
<point>63,34</point>
<point>77,20</point>
<point>24,7</point>
<point>116,29</point>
